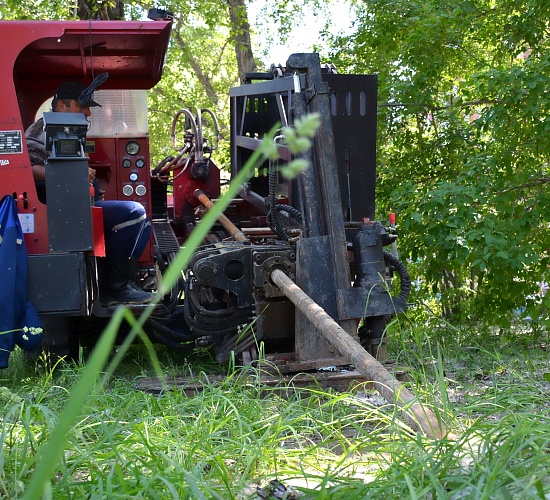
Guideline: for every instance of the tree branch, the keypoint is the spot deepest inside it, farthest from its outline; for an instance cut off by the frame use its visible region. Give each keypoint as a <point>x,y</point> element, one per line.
<point>196,67</point>
<point>480,102</point>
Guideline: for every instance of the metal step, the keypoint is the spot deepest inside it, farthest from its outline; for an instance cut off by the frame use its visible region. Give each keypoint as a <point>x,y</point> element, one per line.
<point>165,238</point>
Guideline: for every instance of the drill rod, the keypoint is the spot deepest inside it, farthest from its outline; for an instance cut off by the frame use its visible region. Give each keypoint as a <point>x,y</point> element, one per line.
<point>385,383</point>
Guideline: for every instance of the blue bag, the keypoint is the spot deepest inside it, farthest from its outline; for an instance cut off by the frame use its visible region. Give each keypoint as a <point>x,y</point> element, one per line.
<point>19,321</point>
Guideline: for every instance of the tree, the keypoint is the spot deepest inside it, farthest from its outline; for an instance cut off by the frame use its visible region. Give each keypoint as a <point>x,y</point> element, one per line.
<point>240,34</point>
<point>90,9</point>
<point>463,154</point>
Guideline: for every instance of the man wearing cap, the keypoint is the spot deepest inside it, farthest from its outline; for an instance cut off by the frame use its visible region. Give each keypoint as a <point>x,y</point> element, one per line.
<point>126,226</point>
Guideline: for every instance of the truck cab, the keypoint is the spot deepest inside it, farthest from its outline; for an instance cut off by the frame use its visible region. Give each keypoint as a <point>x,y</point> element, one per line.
<point>40,56</point>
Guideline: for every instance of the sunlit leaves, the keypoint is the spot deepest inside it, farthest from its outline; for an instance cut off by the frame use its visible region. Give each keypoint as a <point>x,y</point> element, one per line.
<point>463,151</point>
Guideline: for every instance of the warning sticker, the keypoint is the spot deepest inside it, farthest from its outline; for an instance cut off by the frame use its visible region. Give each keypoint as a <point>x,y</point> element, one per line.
<point>10,142</point>
<point>27,222</point>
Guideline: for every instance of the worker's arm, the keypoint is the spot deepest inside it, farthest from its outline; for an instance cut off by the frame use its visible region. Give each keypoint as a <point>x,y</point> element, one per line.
<point>39,173</point>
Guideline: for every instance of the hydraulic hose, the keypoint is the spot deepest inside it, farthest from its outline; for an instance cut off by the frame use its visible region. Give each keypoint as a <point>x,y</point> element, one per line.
<point>273,216</point>
<point>274,207</point>
<point>403,274</point>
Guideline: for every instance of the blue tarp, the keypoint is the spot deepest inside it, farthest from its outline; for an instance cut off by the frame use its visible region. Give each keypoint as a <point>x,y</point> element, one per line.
<point>19,322</point>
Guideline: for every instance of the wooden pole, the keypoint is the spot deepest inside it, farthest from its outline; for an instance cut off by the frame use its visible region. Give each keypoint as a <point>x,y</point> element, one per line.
<point>385,383</point>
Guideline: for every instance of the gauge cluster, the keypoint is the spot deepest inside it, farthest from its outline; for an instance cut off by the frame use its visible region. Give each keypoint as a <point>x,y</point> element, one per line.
<point>132,148</point>
<point>122,167</point>
<point>133,176</point>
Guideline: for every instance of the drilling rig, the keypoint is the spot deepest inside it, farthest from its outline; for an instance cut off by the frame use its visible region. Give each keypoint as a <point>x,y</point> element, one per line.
<point>319,229</point>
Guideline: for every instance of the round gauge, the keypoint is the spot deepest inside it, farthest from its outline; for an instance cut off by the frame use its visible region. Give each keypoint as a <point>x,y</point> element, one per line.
<point>126,163</point>
<point>133,177</point>
<point>141,190</point>
<point>128,190</point>
<point>132,148</point>
<point>140,163</point>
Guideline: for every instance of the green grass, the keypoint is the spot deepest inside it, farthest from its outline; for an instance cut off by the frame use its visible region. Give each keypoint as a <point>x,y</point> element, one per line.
<point>85,431</point>
<point>238,435</point>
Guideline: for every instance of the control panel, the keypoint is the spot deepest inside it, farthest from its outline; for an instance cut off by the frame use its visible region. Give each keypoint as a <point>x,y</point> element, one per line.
<point>122,168</point>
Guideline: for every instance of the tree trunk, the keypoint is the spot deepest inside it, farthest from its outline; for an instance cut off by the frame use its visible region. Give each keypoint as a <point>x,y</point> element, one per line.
<point>240,34</point>
<point>89,9</point>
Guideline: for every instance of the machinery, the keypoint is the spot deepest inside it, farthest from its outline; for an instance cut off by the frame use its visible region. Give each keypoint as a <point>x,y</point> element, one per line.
<point>318,229</point>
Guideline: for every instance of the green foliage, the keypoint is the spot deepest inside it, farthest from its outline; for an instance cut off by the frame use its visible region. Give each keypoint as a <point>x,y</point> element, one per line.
<point>237,434</point>
<point>56,9</point>
<point>199,70</point>
<point>279,22</point>
<point>463,156</point>
<point>180,88</point>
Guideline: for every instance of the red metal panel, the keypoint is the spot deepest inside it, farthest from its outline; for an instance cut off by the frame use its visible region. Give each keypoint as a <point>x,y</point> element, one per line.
<point>184,187</point>
<point>99,235</point>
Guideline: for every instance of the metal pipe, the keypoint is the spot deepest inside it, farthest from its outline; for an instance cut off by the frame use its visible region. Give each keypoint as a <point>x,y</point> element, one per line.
<point>385,383</point>
<point>231,228</point>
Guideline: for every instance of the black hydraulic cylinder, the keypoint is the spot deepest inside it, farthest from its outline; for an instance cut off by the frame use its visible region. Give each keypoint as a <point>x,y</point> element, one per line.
<point>369,256</point>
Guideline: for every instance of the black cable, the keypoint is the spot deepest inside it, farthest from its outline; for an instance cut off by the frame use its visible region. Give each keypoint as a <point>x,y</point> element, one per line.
<point>169,333</point>
<point>87,95</point>
<point>273,216</point>
<point>293,212</point>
